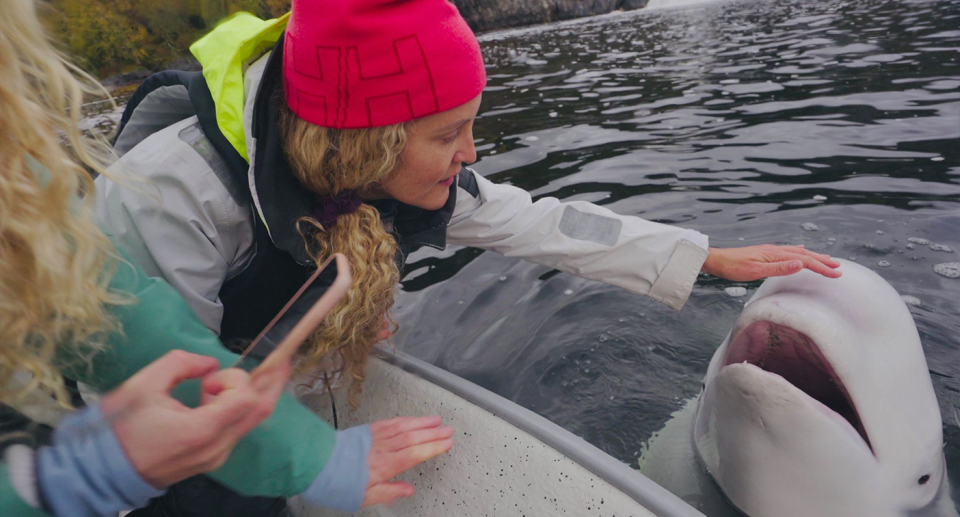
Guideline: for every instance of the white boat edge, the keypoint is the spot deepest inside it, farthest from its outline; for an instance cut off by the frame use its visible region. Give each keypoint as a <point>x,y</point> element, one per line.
<point>507,460</point>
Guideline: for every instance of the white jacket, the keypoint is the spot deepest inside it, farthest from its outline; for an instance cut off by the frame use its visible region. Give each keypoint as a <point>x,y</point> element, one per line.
<point>196,236</point>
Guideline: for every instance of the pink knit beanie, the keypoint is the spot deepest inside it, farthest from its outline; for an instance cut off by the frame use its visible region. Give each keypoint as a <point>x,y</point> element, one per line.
<point>368,63</point>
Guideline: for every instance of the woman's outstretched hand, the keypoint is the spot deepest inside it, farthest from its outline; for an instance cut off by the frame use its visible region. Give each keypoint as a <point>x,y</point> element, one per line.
<point>398,445</point>
<point>757,262</point>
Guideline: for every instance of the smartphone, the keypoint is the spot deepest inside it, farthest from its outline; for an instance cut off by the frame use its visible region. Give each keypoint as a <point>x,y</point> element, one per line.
<point>282,337</point>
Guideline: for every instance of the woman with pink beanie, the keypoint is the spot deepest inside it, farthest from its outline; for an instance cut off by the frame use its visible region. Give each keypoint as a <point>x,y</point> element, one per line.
<point>346,127</point>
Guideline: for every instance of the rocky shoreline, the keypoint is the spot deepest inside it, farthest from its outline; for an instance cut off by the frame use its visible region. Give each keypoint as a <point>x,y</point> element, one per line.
<point>486,15</point>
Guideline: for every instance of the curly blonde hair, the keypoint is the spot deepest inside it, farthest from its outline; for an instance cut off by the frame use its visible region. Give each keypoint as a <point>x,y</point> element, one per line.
<point>55,263</point>
<point>330,161</point>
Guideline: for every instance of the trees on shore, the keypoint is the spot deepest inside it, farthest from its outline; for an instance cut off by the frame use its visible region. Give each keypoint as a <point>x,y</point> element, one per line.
<point>111,36</point>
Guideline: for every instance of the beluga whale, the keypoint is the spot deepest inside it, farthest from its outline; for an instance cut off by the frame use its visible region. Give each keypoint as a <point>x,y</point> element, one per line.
<point>818,403</point>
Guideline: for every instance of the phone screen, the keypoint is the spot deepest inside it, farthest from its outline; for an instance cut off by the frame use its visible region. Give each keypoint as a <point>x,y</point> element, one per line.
<point>289,319</point>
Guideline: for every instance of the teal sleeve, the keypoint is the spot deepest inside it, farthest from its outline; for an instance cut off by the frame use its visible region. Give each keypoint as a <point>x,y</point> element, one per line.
<point>281,457</point>
<point>10,503</point>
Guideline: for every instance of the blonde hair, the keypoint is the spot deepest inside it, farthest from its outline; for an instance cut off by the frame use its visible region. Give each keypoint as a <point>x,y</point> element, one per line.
<point>328,162</point>
<point>55,263</point>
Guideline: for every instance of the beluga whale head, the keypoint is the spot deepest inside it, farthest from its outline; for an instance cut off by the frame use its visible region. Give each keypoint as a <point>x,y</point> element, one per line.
<point>819,402</point>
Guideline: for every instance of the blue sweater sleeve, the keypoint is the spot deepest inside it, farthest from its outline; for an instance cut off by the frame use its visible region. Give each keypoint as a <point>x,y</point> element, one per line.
<point>343,481</point>
<point>85,471</point>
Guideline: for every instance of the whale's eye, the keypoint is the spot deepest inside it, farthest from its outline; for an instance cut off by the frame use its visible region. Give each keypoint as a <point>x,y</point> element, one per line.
<point>923,479</point>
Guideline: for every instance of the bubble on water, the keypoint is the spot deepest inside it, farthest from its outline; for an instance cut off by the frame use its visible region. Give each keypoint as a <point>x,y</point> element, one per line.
<point>503,279</point>
<point>941,247</point>
<point>553,114</point>
<point>611,397</point>
<point>868,246</point>
<point>568,292</point>
<point>603,338</point>
<point>883,263</point>
<point>910,246</point>
<point>621,320</point>
<point>948,269</point>
<point>936,159</point>
<point>460,302</point>
<point>831,239</point>
<point>918,240</point>
<point>736,292</point>
<point>740,239</point>
<point>810,227</point>
<point>879,232</point>
<point>911,300</point>
<point>852,258</point>
<point>819,198</point>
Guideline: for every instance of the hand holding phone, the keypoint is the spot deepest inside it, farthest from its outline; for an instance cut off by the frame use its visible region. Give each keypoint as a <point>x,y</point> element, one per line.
<point>279,341</point>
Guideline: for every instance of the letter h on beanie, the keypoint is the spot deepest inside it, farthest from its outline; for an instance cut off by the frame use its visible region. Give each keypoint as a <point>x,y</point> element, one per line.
<point>368,63</point>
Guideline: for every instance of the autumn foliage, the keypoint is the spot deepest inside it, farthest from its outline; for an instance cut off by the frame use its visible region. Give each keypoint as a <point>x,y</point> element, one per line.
<point>110,36</point>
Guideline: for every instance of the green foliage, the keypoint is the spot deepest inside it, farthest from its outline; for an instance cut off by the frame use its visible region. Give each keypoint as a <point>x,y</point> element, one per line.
<point>110,36</point>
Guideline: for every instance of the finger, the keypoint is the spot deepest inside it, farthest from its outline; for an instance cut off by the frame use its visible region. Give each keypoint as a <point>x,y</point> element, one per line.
<point>218,382</point>
<point>386,429</point>
<point>228,408</point>
<point>277,365</point>
<point>387,493</point>
<point>412,456</point>
<point>817,266</point>
<point>418,437</point>
<point>271,379</point>
<point>175,367</point>
<point>781,268</point>
<point>263,391</point>
<point>825,259</point>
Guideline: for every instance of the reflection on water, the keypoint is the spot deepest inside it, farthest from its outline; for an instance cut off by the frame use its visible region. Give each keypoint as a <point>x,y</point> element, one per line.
<point>829,124</point>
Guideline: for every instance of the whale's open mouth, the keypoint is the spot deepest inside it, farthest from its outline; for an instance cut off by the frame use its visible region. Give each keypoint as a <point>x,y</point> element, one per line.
<point>795,357</point>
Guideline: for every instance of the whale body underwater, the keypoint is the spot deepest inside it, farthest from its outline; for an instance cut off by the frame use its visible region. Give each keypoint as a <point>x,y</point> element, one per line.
<point>818,403</point>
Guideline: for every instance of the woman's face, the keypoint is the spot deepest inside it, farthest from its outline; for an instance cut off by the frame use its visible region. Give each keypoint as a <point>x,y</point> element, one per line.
<point>436,147</point>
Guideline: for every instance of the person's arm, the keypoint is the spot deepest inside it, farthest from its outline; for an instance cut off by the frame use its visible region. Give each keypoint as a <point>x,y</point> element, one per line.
<point>653,259</point>
<point>281,457</point>
<point>293,452</point>
<point>181,224</point>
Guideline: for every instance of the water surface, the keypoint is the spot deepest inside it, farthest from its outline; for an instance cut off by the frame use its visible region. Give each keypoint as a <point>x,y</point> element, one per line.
<point>743,120</point>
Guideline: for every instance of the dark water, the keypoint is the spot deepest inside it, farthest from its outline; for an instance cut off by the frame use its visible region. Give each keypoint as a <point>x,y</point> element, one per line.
<point>728,118</point>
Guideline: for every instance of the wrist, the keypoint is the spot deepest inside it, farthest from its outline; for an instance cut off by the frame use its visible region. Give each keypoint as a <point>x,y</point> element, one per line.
<point>710,264</point>
<point>343,481</point>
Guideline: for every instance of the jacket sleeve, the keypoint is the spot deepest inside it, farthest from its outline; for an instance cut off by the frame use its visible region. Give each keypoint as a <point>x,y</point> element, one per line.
<point>280,457</point>
<point>171,211</point>
<point>578,237</point>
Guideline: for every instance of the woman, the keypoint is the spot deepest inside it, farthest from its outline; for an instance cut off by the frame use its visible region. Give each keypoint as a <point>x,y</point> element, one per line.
<point>71,306</point>
<point>351,134</point>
